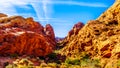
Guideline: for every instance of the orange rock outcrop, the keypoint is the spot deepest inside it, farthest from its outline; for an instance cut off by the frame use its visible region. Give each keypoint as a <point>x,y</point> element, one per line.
<point>24,36</point>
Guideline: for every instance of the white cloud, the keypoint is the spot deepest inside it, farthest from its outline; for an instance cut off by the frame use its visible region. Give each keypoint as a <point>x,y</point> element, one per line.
<point>55,21</point>
<point>38,10</point>
<point>45,8</point>
<point>7,8</point>
<point>78,3</point>
<point>42,10</point>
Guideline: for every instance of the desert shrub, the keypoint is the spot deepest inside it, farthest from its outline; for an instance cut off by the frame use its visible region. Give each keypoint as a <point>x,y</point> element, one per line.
<point>52,55</point>
<point>91,63</point>
<point>73,62</point>
<point>86,56</point>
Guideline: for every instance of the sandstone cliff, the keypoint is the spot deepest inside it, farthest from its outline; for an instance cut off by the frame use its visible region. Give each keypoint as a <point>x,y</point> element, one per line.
<point>24,36</point>
<point>99,38</point>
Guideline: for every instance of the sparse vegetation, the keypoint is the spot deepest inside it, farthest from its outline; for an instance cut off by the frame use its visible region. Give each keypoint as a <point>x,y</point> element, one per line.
<point>83,62</point>
<point>52,55</point>
<point>73,62</point>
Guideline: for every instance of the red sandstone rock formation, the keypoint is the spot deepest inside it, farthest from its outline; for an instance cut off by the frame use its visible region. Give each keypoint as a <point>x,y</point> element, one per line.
<point>25,37</point>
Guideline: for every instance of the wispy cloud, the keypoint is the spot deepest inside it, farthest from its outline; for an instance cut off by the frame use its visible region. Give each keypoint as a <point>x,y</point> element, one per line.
<point>55,20</point>
<point>44,2</point>
<point>42,10</point>
<point>41,6</point>
<point>47,8</point>
<point>95,4</point>
<point>38,10</point>
<point>7,8</point>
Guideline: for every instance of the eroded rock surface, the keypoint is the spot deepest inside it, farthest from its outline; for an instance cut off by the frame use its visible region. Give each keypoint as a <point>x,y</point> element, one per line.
<point>24,36</point>
<point>99,38</point>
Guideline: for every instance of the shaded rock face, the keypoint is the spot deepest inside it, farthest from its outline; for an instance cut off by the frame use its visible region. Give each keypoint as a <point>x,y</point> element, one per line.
<point>98,38</point>
<point>24,37</point>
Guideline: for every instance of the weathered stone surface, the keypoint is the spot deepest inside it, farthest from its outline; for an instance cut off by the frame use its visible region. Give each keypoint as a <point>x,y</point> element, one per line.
<point>24,37</point>
<point>98,38</point>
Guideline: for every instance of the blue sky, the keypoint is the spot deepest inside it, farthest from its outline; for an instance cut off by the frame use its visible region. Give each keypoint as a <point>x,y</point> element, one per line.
<point>61,14</point>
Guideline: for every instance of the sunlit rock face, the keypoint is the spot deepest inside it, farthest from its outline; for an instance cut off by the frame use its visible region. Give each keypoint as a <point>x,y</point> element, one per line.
<point>98,38</point>
<point>24,36</point>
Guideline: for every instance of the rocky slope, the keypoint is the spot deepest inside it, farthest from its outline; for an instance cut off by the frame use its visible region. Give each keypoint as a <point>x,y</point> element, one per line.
<point>71,34</point>
<point>24,36</point>
<point>99,39</point>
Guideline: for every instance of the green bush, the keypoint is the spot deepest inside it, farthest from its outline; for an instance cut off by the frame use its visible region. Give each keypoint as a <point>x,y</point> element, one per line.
<point>52,55</point>
<point>73,62</point>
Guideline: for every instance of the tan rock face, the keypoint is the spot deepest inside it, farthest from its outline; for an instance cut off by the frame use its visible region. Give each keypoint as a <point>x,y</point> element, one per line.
<point>98,38</point>
<point>24,37</point>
